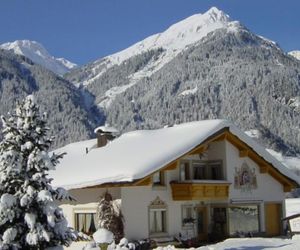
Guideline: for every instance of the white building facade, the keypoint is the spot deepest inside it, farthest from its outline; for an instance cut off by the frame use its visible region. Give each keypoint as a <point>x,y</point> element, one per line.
<point>222,186</point>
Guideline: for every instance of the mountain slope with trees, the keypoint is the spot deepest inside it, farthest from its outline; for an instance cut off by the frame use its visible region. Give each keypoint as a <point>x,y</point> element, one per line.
<point>230,73</point>
<point>204,67</point>
<point>68,117</point>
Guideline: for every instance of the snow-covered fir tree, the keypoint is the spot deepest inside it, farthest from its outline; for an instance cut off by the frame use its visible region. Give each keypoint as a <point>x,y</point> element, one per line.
<point>110,216</point>
<point>29,215</point>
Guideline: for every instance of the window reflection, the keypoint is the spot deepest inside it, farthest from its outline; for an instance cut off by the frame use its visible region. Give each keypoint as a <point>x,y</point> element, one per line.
<point>243,220</point>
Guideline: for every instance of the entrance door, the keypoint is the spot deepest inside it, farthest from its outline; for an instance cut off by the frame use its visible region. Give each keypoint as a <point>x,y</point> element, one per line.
<point>272,215</point>
<point>219,224</point>
<point>202,223</point>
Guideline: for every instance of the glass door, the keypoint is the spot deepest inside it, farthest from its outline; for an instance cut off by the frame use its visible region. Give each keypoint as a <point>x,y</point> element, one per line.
<point>219,223</point>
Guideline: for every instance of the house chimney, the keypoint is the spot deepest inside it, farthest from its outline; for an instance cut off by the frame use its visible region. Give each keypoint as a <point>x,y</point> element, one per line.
<point>105,134</point>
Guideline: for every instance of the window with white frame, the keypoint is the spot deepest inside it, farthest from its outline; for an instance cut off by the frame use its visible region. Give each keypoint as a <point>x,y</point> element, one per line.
<point>157,217</point>
<point>201,170</point>
<point>188,215</point>
<point>85,222</point>
<point>158,220</point>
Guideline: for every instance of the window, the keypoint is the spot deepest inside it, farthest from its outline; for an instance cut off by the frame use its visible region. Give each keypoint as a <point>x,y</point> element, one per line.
<point>85,222</point>
<point>157,217</point>
<point>201,170</point>
<point>215,170</point>
<point>185,170</point>
<point>243,219</point>
<point>158,179</point>
<point>188,215</point>
<point>158,221</point>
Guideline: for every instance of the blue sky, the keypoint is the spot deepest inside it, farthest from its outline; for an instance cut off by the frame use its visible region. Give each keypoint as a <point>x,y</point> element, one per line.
<point>85,30</point>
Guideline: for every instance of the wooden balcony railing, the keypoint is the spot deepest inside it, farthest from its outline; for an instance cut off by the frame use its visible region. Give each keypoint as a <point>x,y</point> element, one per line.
<point>200,190</point>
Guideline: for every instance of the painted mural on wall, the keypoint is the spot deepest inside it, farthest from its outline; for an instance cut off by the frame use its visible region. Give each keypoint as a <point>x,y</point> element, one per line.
<point>245,178</point>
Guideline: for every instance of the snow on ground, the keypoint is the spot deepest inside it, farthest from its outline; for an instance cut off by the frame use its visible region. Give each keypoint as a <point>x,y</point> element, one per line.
<point>250,244</point>
<point>234,244</point>
<point>147,71</point>
<point>111,94</point>
<point>189,91</point>
<point>292,163</point>
<point>294,102</point>
<point>255,244</point>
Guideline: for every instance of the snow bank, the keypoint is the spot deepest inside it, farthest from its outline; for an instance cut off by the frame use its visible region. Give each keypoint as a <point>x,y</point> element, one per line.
<point>249,243</point>
<point>231,244</point>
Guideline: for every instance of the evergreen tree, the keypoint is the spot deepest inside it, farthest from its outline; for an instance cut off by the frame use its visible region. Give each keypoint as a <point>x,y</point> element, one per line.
<point>110,217</point>
<point>29,216</point>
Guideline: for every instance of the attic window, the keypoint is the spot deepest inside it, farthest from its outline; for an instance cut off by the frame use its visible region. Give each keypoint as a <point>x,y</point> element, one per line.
<point>158,179</point>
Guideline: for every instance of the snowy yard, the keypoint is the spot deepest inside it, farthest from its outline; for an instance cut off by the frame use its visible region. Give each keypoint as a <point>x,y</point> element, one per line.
<point>238,244</point>
<point>255,244</point>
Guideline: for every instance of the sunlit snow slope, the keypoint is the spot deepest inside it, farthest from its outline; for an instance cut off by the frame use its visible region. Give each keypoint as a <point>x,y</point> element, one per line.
<point>39,55</point>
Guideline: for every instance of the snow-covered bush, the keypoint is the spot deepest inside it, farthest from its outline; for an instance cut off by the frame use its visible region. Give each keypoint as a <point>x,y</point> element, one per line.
<point>110,216</point>
<point>102,235</point>
<point>29,215</point>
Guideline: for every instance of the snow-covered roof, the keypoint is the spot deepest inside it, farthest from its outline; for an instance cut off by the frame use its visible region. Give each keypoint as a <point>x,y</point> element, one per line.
<point>292,206</point>
<point>137,154</point>
<point>106,129</point>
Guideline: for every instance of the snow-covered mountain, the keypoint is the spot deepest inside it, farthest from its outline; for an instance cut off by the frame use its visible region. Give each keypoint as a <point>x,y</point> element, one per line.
<point>295,53</point>
<point>206,66</point>
<point>68,118</point>
<point>39,55</point>
<point>174,40</point>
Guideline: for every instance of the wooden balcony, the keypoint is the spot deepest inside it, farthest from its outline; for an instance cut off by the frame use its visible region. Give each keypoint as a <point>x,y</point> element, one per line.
<point>200,190</point>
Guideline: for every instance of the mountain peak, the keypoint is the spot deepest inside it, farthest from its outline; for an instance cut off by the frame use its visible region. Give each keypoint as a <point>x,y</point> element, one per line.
<point>217,15</point>
<point>180,35</point>
<point>39,55</point>
<point>199,24</point>
<point>25,47</point>
<point>177,38</point>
